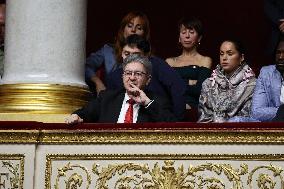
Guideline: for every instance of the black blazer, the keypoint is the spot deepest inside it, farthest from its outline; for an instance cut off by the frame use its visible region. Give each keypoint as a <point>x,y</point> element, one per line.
<point>106,109</point>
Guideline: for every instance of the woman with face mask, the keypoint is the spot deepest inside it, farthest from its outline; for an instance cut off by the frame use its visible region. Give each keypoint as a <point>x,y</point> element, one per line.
<point>228,92</point>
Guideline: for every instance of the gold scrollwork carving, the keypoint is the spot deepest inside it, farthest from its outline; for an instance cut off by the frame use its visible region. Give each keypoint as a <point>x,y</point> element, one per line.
<point>210,175</point>
<point>75,180</point>
<point>168,177</point>
<point>14,170</point>
<point>111,170</point>
<point>265,180</point>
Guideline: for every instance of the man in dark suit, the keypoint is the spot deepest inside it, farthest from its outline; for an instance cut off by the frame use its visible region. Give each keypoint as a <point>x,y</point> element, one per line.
<point>112,106</point>
<point>165,80</point>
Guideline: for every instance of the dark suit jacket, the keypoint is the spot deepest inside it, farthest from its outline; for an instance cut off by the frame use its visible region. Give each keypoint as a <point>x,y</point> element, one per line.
<point>165,82</point>
<point>106,109</point>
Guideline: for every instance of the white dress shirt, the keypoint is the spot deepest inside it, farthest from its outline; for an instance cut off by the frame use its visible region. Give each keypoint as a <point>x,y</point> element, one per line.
<point>124,108</point>
<point>282,93</point>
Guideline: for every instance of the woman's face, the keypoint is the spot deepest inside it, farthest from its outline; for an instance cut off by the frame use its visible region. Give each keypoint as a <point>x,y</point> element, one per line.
<point>188,38</point>
<point>134,27</point>
<point>230,58</point>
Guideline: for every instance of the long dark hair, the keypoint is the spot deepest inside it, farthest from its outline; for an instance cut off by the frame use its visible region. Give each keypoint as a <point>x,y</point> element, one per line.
<point>119,40</point>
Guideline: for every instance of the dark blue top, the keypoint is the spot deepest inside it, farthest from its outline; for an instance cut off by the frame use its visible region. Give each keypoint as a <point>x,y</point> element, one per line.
<point>193,72</point>
<point>103,58</point>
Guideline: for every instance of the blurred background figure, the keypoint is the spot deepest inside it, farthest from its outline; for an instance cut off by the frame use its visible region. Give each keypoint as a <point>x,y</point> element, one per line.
<point>109,55</point>
<point>193,67</point>
<point>228,92</point>
<point>274,11</point>
<point>2,35</point>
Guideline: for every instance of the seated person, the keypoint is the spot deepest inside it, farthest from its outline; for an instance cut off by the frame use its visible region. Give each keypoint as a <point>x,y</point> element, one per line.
<point>228,92</point>
<point>165,81</point>
<point>192,66</point>
<point>134,22</point>
<point>129,105</point>
<point>269,90</point>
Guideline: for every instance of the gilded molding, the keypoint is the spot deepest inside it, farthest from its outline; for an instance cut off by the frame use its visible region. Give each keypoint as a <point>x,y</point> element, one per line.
<point>16,170</point>
<point>162,137</point>
<point>37,98</point>
<point>139,137</point>
<point>250,157</point>
<point>167,175</point>
<point>18,136</point>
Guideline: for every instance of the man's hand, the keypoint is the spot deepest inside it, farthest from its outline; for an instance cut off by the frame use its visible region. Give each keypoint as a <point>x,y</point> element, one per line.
<point>138,95</point>
<point>73,119</point>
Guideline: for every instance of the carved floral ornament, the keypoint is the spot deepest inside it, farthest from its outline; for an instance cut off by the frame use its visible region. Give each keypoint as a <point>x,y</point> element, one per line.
<point>169,175</point>
<point>11,171</point>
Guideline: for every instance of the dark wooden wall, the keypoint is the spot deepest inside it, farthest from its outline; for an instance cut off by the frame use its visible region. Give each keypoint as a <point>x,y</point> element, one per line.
<point>221,19</point>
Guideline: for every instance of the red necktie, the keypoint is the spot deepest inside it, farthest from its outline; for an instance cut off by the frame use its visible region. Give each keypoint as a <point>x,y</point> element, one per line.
<point>129,113</point>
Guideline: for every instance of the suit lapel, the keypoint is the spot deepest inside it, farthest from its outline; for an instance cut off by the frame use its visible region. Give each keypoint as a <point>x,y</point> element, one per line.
<point>117,103</point>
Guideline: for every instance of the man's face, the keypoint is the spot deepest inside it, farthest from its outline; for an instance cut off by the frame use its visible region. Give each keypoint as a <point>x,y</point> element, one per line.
<point>279,57</point>
<point>128,50</point>
<point>135,73</point>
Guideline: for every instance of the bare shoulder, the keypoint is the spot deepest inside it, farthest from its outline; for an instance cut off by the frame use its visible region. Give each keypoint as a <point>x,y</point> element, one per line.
<point>171,61</point>
<point>206,62</point>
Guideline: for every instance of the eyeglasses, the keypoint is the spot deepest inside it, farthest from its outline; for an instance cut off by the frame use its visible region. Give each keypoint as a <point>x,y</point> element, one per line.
<point>136,74</point>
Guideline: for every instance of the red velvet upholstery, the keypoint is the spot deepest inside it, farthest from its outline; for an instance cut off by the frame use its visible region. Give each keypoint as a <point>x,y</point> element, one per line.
<point>20,125</point>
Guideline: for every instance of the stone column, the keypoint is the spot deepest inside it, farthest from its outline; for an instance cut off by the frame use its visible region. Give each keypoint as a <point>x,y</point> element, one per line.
<point>44,58</point>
